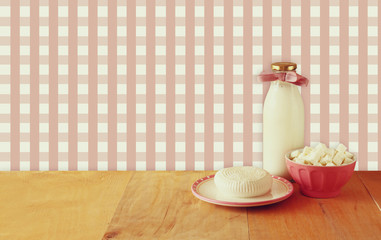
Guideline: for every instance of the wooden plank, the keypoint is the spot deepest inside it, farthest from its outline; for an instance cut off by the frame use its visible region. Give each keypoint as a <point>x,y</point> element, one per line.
<point>372,180</point>
<point>292,218</point>
<point>160,205</point>
<point>351,215</point>
<point>58,205</point>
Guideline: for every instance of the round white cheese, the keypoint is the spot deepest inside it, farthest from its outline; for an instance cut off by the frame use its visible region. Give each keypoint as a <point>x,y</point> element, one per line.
<point>243,181</point>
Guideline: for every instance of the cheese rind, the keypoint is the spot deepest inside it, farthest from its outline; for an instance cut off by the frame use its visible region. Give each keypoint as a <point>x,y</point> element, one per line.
<point>243,181</point>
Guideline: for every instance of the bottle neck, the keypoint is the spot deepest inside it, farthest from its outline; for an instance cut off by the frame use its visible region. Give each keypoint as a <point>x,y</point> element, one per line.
<point>275,71</point>
<point>282,83</point>
<point>278,83</point>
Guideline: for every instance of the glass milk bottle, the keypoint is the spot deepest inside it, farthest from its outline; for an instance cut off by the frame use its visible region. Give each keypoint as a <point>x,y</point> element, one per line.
<point>283,121</point>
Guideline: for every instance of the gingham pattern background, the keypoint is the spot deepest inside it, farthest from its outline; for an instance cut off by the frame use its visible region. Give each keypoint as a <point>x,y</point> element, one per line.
<point>170,85</point>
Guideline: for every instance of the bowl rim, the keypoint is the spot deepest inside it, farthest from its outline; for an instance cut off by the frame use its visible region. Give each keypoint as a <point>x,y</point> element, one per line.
<point>289,160</point>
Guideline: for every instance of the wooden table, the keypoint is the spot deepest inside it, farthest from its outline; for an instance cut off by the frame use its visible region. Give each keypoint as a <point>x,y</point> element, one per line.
<point>160,205</point>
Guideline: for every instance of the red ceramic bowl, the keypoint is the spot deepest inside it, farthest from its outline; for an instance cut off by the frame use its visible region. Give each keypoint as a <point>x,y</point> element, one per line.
<point>320,181</point>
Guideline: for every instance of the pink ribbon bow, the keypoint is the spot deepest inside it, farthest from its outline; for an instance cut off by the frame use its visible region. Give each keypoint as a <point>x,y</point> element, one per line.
<point>290,77</point>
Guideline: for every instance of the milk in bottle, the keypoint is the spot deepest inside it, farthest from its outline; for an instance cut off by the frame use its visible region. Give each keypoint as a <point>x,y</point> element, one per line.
<point>283,122</point>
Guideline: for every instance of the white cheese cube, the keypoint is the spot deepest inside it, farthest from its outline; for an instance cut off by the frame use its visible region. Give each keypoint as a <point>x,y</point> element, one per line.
<point>339,158</point>
<point>330,152</point>
<point>341,148</point>
<point>314,157</point>
<point>307,150</point>
<point>300,160</point>
<point>321,147</point>
<point>348,154</point>
<point>326,159</point>
<point>348,161</point>
<point>294,154</point>
<point>330,164</point>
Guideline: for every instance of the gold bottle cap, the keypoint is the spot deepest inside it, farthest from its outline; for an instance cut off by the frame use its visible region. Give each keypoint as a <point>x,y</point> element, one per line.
<point>283,66</point>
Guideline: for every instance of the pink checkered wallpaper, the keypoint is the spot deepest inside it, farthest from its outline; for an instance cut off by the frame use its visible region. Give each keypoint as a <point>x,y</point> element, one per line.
<point>170,85</point>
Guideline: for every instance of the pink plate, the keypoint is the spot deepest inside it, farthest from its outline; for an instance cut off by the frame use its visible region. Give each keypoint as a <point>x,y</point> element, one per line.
<point>206,190</point>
